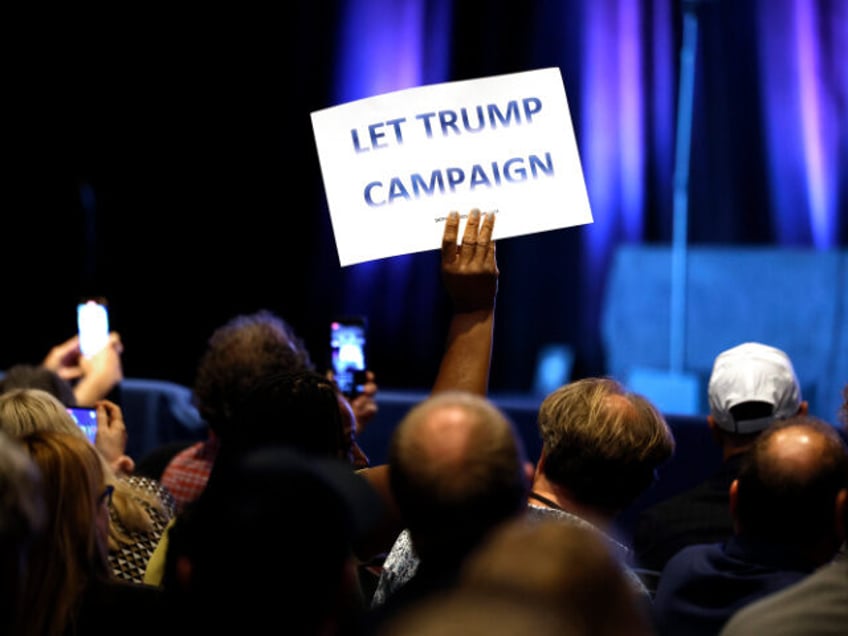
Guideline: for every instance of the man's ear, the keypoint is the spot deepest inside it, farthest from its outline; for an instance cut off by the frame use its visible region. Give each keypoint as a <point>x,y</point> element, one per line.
<point>540,465</point>
<point>804,408</point>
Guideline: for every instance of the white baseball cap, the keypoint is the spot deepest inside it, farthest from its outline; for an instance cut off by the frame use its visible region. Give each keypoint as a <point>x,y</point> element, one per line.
<point>752,372</point>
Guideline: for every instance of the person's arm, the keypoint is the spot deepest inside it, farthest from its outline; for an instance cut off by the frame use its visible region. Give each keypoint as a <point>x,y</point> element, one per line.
<point>91,378</point>
<point>470,275</point>
<point>381,537</point>
<point>100,373</point>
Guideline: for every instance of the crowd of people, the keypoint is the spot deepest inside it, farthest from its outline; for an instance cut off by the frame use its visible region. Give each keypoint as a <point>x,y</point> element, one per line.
<point>278,521</point>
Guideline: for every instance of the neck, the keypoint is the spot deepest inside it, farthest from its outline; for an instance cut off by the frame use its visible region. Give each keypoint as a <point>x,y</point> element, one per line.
<point>563,500</point>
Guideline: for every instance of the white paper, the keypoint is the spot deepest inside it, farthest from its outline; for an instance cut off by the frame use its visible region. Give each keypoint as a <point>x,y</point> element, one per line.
<point>394,165</point>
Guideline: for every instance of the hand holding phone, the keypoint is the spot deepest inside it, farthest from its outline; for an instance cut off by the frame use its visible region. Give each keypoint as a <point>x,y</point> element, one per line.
<point>93,325</point>
<point>348,339</point>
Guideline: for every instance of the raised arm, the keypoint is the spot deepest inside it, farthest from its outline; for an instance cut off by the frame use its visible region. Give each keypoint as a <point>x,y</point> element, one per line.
<point>470,276</point>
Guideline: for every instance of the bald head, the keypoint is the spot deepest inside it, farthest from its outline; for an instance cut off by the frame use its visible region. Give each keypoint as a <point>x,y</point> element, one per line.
<point>796,450</point>
<point>444,432</point>
<point>788,484</point>
<point>456,468</point>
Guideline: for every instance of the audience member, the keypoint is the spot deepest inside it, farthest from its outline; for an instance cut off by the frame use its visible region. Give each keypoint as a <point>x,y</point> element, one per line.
<point>299,409</point>
<point>140,508</point>
<point>239,354</point>
<point>23,516</point>
<point>751,386</point>
<point>457,470</point>
<point>111,439</point>
<point>263,411</point>
<point>601,446</point>
<point>93,378</point>
<point>783,503</point>
<point>269,543</point>
<point>69,587</point>
<point>470,277</point>
<point>562,568</point>
<point>818,604</point>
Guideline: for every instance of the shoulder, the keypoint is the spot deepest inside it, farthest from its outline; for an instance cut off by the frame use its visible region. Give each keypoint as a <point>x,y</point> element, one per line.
<point>152,487</point>
<point>692,559</point>
<point>818,603</point>
<point>399,567</point>
<point>197,457</point>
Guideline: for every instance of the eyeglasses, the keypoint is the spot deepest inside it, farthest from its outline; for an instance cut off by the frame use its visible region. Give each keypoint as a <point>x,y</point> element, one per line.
<point>106,495</point>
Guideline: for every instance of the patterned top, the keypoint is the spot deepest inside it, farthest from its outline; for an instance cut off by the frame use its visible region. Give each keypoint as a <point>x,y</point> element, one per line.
<point>130,560</point>
<point>401,562</point>
<point>186,474</point>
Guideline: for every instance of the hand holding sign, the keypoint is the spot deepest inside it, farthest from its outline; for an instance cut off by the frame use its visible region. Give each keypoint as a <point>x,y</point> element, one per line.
<point>391,163</point>
<point>475,256</point>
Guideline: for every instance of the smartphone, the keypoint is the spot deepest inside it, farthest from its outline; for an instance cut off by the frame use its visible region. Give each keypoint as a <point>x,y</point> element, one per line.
<point>92,325</point>
<point>348,339</point>
<point>86,419</point>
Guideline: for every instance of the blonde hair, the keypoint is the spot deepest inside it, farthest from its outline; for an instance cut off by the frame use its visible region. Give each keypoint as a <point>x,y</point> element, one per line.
<point>24,411</point>
<point>602,442</point>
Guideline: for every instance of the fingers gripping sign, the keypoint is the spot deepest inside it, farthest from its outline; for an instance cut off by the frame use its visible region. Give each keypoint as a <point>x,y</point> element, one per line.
<point>470,269</point>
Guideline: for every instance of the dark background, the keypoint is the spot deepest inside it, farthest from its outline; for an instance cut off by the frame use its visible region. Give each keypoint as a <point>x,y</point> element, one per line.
<point>165,160</point>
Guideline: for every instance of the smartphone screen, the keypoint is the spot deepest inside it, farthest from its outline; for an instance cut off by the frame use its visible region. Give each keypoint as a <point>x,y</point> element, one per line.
<point>93,326</point>
<point>86,419</point>
<point>347,350</point>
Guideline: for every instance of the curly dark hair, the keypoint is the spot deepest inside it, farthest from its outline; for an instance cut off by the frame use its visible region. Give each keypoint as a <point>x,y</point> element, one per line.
<point>239,354</point>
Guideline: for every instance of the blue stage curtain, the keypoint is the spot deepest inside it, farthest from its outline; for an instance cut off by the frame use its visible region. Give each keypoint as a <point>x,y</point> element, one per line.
<point>769,154</point>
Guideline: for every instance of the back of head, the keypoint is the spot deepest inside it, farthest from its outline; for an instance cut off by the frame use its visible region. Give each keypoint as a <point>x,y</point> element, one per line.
<point>788,483</point>
<point>299,409</point>
<point>72,550</point>
<point>456,470</point>
<point>22,511</point>
<point>23,516</point>
<point>278,513</point>
<point>31,376</point>
<point>566,567</point>
<point>26,410</point>
<point>602,443</point>
<point>751,386</point>
<point>244,350</point>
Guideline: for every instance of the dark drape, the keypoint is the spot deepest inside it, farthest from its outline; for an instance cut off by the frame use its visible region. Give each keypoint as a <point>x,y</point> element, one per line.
<point>166,160</point>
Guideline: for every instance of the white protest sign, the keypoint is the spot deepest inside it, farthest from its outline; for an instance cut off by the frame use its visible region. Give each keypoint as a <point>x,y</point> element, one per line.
<point>394,165</point>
